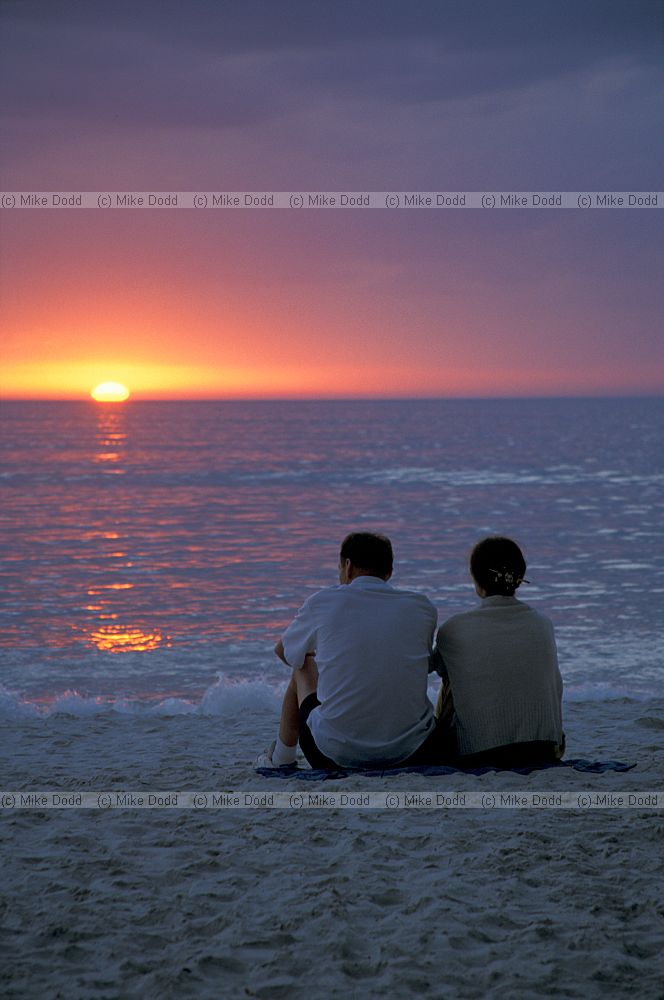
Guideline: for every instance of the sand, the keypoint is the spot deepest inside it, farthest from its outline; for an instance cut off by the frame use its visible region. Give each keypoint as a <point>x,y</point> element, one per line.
<point>325,903</point>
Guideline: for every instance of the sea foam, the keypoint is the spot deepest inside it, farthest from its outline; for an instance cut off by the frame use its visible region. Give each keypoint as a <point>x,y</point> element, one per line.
<point>228,697</point>
<point>225,698</point>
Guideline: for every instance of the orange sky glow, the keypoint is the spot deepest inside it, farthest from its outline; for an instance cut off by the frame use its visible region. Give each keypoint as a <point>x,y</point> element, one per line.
<point>179,308</point>
<point>75,380</point>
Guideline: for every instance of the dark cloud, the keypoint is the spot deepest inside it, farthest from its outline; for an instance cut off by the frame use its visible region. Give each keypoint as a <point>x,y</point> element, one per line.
<point>226,64</point>
<point>267,25</point>
<point>375,94</point>
<point>71,71</point>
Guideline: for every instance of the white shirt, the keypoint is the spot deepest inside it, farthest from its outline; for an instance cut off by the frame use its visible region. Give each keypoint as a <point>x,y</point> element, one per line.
<point>372,644</point>
<point>502,666</point>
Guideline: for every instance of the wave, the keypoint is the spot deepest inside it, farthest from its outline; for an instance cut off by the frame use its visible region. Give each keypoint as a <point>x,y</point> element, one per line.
<point>592,691</point>
<point>225,698</point>
<point>228,697</point>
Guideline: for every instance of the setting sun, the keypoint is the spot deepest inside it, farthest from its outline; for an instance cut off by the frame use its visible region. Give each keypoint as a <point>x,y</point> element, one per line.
<point>110,392</point>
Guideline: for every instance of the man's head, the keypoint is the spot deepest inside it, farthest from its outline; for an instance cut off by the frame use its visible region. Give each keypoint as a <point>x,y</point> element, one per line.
<point>497,567</point>
<point>365,554</point>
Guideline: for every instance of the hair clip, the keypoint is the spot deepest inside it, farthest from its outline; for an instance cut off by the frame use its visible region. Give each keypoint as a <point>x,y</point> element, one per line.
<point>510,578</point>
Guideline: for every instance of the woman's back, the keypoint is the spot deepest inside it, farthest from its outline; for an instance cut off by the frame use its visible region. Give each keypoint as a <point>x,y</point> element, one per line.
<point>502,666</point>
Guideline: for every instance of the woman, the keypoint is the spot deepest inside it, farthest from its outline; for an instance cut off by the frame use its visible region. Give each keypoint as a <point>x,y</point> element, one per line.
<point>502,691</point>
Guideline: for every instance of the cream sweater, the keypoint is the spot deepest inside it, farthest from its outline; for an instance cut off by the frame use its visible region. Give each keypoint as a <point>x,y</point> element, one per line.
<point>502,666</point>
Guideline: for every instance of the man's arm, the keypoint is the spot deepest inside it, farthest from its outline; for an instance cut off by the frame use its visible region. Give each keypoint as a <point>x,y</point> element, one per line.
<point>299,639</point>
<point>436,661</point>
<point>432,636</point>
<point>279,650</point>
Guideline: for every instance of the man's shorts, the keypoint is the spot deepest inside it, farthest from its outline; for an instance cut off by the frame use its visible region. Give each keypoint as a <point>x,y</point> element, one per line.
<point>434,749</point>
<point>316,758</point>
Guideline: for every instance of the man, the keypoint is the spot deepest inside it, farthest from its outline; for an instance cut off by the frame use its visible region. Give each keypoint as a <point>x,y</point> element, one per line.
<point>360,659</point>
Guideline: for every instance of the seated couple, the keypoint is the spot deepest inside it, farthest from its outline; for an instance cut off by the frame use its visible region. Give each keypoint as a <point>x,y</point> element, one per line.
<point>361,653</point>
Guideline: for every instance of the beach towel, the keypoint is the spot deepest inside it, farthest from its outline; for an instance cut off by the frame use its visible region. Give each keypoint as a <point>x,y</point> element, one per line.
<point>306,774</point>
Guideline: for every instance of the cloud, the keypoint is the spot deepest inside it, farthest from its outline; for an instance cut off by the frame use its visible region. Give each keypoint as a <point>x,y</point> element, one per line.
<point>229,64</point>
<point>229,27</point>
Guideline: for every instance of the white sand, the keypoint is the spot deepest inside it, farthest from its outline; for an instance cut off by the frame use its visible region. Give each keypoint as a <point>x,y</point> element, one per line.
<point>325,903</point>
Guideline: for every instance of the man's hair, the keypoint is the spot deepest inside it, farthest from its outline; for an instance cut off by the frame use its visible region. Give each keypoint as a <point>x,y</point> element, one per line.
<point>368,552</point>
<point>497,565</point>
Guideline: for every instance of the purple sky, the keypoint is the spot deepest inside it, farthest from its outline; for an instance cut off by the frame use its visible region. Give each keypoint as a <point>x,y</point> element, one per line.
<point>418,95</point>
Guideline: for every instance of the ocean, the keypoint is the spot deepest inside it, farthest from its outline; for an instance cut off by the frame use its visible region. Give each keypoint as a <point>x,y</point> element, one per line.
<point>154,551</point>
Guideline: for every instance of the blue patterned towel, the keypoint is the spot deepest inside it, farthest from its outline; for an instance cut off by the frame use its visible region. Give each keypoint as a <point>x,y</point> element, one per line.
<point>590,766</point>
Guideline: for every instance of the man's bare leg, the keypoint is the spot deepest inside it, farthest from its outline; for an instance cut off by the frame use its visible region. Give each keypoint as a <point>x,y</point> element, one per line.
<point>289,723</point>
<point>303,682</point>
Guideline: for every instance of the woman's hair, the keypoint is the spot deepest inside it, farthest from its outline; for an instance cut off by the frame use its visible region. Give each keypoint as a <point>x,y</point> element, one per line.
<point>498,566</point>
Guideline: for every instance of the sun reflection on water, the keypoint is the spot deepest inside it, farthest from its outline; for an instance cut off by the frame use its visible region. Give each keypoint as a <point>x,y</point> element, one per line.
<point>124,639</point>
<point>111,439</point>
<point>107,633</point>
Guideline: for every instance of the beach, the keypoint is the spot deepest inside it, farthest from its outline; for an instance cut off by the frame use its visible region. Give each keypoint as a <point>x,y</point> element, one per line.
<point>319,901</point>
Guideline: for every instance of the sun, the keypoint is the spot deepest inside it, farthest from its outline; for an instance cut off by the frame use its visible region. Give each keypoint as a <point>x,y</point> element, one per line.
<point>110,392</point>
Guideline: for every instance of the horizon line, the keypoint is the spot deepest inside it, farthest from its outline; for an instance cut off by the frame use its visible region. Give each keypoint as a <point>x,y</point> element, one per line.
<point>328,398</point>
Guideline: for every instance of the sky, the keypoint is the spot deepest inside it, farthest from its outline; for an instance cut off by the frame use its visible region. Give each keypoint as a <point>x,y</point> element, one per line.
<point>331,95</point>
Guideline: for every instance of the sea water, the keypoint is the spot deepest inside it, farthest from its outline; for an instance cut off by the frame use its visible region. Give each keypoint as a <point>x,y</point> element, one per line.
<point>154,551</point>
